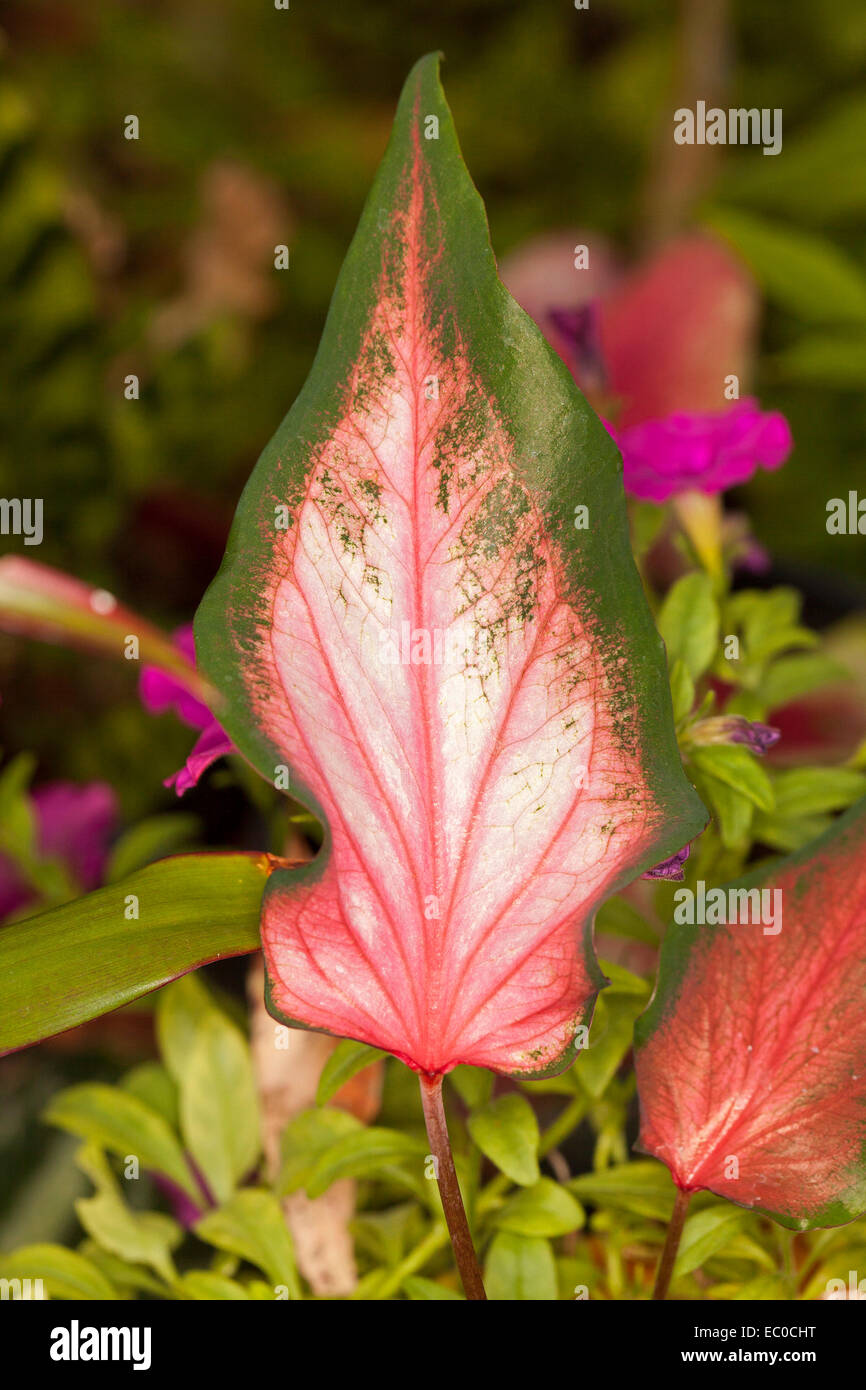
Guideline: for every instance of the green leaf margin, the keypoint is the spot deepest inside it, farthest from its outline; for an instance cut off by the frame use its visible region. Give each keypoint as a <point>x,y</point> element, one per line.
<point>551,427</point>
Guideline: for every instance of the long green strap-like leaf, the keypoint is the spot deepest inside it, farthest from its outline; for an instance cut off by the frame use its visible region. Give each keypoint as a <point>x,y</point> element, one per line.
<point>75,962</point>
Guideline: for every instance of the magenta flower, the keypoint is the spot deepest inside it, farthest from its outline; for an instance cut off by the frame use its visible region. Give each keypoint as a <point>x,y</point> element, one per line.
<point>662,344</point>
<point>159,691</point>
<point>74,824</point>
<point>213,743</point>
<point>707,452</point>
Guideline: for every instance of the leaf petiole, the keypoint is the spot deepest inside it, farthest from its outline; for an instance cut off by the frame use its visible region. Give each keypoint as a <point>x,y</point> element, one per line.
<point>449,1188</point>
<point>671,1245</point>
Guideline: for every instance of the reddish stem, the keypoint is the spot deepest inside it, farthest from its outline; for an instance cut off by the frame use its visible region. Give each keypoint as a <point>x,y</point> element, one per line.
<point>672,1245</point>
<point>449,1189</point>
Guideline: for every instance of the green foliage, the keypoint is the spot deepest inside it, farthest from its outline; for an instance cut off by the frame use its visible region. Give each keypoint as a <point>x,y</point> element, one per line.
<point>192,1120</point>
<point>122,1124</point>
<point>544,1209</point>
<point>347,1059</point>
<point>140,1238</point>
<point>801,272</point>
<point>520,1267</point>
<point>689,623</point>
<point>506,1131</point>
<point>159,922</point>
<point>209,1061</point>
<point>251,1225</point>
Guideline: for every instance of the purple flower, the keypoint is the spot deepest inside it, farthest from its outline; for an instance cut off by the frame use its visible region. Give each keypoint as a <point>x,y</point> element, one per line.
<point>670,868</point>
<point>160,691</point>
<point>759,737</point>
<point>581,330</point>
<point>73,824</point>
<point>212,743</point>
<point>734,728</point>
<point>706,452</point>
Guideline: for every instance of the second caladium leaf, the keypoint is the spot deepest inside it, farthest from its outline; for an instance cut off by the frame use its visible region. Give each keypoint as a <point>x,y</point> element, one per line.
<point>463,685</point>
<point>751,1060</point>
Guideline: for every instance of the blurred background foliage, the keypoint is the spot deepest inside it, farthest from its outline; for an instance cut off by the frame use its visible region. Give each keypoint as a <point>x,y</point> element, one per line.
<point>155,257</point>
<point>260,127</point>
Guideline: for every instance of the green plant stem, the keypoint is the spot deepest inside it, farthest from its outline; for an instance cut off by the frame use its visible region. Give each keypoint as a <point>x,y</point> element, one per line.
<point>488,1198</point>
<point>449,1188</point>
<point>672,1245</point>
<point>567,1120</point>
<point>434,1241</point>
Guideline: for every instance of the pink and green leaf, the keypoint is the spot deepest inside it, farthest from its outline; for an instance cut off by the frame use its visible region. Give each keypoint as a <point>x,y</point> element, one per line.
<point>751,1060</point>
<point>466,688</point>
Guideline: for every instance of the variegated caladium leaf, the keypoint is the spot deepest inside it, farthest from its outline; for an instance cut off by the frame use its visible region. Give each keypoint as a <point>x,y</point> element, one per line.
<point>751,1059</point>
<point>460,676</point>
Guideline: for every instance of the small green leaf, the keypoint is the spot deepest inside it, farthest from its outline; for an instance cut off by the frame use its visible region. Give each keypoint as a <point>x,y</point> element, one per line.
<point>17,820</point>
<point>145,1237</point>
<point>610,1037</point>
<point>545,1209</point>
<point>425,1290</point>
<point>150,839</point>
<point>210,1061</point>
<point>363,1154</point>
<point>788,835</point>
<point>705,1233</point>
<point>252,1226</point>
<point>305,1139</point>
<point>768,620</point>
<point>738,768</point>
<point>809,791</point>
<point>153,1085</point>
<point>65,1274</point>
<point>682,690</point>
<point>75,962</point>
<point>200,1286</point>
<point>838,1265</point>
<point>347,1059</point>
<point>689,623</point>
<point>386,1235</point>
<point>742,1246</point>
<point>506,1132</point>
<point>520,1269</point>
<point>124,1275</point>
<point>733,813</point>
<point>473,1085</point>
<point>643,1188</point>
<point>623,981</point>
<point>112,1119</point>
<point>260,1292</point>
<point>765,1288</point>
<point>794,676</point>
